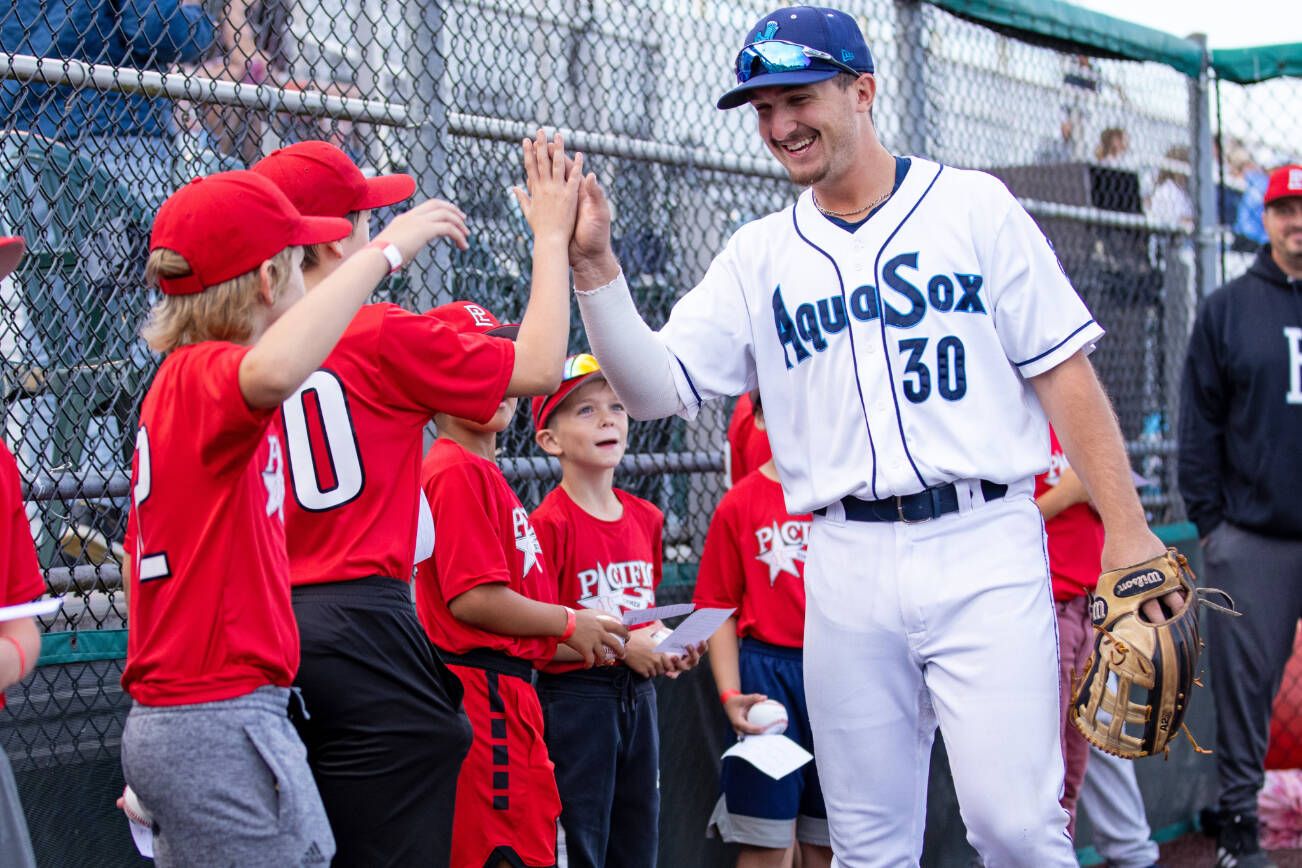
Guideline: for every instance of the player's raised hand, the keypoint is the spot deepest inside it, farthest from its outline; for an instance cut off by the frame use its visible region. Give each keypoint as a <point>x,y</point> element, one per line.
<point>591,239</point>
<point>593,633</point>
<point>737,707</point>
<point>551,201</point>
<point>431,219</point>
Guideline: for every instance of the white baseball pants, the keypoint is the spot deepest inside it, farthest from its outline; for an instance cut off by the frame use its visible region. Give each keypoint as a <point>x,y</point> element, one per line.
<point>949,622</point>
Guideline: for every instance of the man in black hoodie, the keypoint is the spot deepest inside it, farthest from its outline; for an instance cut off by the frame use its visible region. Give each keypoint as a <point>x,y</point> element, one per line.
<point>1241,478</point>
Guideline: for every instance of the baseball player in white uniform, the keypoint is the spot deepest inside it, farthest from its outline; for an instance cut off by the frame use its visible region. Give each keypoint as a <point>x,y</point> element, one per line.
<point>909,327</point>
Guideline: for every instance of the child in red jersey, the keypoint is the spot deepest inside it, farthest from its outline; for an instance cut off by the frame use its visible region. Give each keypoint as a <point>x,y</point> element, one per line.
<point>748,446</point>
<point>603,547</point>
<point>208,747</point>
<point>487,603</point>
<point>20,639</point>
<point>754,560</point>
<point>353,439</point>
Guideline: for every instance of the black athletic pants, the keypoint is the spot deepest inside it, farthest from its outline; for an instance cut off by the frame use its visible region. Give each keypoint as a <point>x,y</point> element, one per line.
<point>1246,655</point>
<point>386,733</point>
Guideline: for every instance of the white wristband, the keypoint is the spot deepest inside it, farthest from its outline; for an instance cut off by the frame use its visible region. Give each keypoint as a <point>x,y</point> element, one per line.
<point>391,253</point>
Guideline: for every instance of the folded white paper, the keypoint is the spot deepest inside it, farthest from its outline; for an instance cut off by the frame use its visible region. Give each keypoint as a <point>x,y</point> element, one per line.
<point>633,617</point>
<point>696,628</point>
<point>45,606</point>
<point>144,838</point>
<point>775,755</point>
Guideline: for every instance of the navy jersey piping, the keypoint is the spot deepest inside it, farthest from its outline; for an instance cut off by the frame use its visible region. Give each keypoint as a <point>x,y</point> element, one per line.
<point>854,353</point>
<point>1056,346</point>
<point>881,302</point>
<point>690,384</point>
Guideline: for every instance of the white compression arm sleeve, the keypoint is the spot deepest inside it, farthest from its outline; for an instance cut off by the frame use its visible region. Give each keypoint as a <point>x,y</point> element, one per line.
<point>636,362</point>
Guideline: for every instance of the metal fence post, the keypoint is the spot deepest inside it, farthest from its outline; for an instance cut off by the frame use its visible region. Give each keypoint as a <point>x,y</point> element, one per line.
<point>913,86</point>
<point>1206,221</point>
<point>428,159</point>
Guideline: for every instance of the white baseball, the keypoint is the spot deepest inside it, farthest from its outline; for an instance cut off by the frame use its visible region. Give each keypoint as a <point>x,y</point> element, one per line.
<point>770,715</point>
<point>134,810</point>
<point>607,653</point>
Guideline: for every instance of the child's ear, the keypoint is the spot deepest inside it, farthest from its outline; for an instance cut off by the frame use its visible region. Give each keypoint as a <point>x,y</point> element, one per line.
<point>546,441</point>
<point>336,249</point>
<point>264,283</point>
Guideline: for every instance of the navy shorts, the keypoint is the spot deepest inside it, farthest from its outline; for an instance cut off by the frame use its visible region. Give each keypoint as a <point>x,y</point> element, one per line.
<point>754,809</point>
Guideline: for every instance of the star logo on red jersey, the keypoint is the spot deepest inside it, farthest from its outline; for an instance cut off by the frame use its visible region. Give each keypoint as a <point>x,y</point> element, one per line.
<point>780,546</point>
<point>526,541</point>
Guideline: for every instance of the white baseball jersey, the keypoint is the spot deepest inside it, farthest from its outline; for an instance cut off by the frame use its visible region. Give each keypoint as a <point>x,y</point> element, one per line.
<point>893,358</point>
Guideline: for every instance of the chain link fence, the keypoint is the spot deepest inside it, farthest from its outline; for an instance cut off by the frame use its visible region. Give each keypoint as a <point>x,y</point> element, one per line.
<point>1256,131</point>
<point>135,97</point>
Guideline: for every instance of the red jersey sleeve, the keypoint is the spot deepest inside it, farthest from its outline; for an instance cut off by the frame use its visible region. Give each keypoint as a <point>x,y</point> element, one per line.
<point>22,580</point>
<point>467,545</point>
<point>427,365</point>
<point>230,434</point>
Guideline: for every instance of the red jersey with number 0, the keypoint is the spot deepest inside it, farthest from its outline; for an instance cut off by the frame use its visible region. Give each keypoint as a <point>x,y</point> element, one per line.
<point>210,612</point>
<point>748,446</point>
<point>354,433</point>
<point>1075,535</point>
<point>21,582</point>
<point>482,535</point>
<point>754,560</point>
<point>612,566</point>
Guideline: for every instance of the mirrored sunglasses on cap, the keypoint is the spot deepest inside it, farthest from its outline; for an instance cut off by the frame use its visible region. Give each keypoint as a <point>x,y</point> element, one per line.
<point>579,366</point>
<point>776,55</point>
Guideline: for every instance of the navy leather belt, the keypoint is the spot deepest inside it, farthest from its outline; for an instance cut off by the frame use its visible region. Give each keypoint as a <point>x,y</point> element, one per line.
<point>909,508</point>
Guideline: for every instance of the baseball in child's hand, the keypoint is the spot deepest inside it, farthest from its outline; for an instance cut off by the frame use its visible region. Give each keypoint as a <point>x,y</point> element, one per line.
<point>769,715</point>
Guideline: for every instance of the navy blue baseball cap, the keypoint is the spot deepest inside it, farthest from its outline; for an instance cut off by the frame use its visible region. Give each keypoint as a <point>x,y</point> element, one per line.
<point>798,45</point>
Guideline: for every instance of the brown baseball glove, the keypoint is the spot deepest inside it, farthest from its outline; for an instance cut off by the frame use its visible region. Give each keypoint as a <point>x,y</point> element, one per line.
<point>1132,699</point>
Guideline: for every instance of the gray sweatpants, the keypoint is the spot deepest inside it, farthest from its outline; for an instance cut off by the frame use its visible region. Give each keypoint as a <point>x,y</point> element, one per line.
<point>227,783</point>
<point>1246,655</point>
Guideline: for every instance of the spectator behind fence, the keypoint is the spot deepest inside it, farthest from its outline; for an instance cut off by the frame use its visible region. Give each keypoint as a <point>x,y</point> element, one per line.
<point>1170,202</point>
<point>1113,147</point>
<point>1239,472</point>
<point>1067,146</point>
<point>129,133</point>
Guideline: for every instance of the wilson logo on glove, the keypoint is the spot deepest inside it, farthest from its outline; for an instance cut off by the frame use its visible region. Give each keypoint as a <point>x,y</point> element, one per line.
<point>1137,683</point>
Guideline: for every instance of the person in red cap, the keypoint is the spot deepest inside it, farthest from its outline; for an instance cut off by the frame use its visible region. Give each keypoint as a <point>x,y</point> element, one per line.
<point>603,551</point>
<point>212,650</point>
<point>487,601</point>
<point>1239,473</point>
<point>20,638</point>
<point>353,437</point>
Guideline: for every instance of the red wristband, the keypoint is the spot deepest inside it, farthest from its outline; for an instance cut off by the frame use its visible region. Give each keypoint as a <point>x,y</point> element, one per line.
<point>728,694</point>
<point>22,656</point>
<point>569,624</point>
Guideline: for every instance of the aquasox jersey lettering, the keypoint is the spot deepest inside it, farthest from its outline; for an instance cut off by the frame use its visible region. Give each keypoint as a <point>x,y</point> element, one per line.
<point>891,337</point>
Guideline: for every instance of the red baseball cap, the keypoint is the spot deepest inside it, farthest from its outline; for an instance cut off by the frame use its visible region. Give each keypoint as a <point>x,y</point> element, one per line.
<point>11,251</point>
<point>1284,182</point>
<point>323,181</point>
<point>578,370</point>
<point>466,316</point>
<point>228,224</point>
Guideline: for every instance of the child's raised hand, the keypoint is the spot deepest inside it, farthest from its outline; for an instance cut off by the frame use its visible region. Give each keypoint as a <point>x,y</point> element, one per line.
<point>552,199</point>
<point>433,218</point>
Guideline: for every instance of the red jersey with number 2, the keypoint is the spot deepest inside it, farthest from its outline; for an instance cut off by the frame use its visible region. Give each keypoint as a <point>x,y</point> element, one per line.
<point>210,613</point>
<point>354,433</point>
<point>754,560</point>
<point>482,535</point>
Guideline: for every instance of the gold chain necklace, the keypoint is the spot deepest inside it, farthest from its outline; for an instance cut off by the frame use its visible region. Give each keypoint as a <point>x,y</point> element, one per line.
<point>871,205</point>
